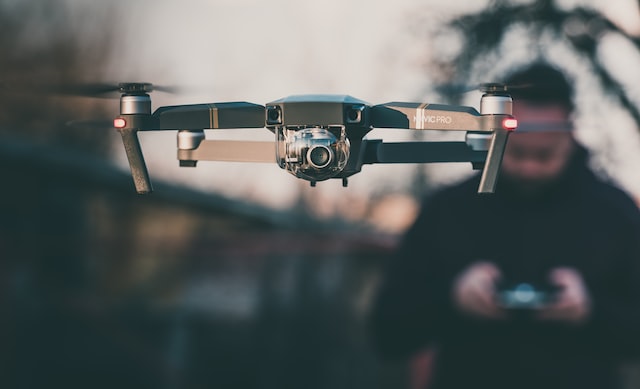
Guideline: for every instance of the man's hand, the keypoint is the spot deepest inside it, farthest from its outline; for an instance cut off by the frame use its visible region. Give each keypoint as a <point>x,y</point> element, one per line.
<point>474,291</point>
<point>573,304</point>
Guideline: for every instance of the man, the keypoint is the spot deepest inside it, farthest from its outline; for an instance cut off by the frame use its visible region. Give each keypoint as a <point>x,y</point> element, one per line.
<point>551,224</point>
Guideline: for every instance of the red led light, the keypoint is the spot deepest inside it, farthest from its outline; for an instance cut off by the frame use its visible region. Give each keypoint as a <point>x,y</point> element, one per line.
<point>510,124</point>
<point>119,123</point>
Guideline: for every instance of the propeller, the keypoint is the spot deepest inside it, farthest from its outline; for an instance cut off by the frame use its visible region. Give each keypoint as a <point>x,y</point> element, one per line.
<point>91,124</point>
<point>486,87</point>
<point>108,90</point>
<point>99,90</point>
<point>495,87</point>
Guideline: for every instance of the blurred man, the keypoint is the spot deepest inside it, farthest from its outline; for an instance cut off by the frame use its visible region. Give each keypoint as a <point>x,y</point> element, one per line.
<point>551,226</point>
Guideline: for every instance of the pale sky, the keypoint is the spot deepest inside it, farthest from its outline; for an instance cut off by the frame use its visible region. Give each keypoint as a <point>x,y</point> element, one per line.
<point>260,51</point>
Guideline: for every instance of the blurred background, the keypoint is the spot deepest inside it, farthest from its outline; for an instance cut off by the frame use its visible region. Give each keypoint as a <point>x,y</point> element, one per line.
<point>240,275</point>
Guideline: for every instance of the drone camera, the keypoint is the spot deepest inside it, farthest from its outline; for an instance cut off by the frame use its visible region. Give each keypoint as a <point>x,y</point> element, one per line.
<point>313,153</point>
<point>273,115</point>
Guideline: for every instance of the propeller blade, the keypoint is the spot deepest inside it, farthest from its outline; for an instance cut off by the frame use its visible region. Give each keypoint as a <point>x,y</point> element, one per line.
<point>84,90</point>
<point>496,87</point>
<point>487,87</point>
<point>93,124</point>
<point>105,90</point>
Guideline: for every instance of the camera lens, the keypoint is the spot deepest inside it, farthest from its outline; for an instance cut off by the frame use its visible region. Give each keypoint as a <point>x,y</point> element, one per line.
<point>319,156</point>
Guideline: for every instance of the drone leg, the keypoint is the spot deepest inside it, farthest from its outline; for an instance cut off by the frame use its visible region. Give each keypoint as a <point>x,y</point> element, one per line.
<point>136,160</point>
<point>489,177</point>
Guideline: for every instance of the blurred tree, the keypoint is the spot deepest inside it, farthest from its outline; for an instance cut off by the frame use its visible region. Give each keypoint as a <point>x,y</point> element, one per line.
<point>485,41</point>
<point>44,44</point>
<point>483,34</point>
<point>44,225</point>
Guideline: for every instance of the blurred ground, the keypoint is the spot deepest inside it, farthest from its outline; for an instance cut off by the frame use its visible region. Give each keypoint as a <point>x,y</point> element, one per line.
<point>103,288</point>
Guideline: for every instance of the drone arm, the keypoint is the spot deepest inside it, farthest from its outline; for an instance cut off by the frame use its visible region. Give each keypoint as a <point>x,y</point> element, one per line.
<point>424,116</point>
<point>210,116</point>
<point>230,151</point>
<point>376,151</point>
<point>417,116</point>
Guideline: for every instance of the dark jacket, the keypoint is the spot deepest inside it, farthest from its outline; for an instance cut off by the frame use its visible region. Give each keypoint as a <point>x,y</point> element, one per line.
<point>581,222</point>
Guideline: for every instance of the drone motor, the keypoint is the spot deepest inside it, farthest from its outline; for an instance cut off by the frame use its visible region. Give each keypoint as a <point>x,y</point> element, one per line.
<point>493,102</point>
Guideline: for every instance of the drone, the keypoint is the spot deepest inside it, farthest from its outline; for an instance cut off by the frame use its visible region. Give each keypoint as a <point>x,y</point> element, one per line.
<point>319,137</point>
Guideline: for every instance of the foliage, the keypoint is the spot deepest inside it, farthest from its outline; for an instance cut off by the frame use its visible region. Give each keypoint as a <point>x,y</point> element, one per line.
<point>581,28</point>
<point>44,43</point>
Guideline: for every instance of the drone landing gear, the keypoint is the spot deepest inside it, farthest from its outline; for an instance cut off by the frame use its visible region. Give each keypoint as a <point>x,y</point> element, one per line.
<point>345,183</point>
